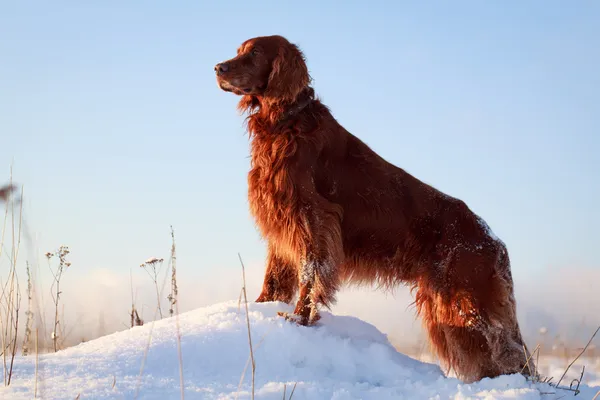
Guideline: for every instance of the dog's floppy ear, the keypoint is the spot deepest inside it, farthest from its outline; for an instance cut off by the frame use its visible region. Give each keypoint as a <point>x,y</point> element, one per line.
<point>289,74</point>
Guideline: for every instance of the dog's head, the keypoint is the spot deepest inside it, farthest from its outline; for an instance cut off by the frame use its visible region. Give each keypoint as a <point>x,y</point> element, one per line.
<point>266,66</point>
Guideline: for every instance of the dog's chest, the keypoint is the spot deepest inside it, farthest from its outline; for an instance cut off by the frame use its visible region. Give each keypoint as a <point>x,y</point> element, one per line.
<point>271,191</point>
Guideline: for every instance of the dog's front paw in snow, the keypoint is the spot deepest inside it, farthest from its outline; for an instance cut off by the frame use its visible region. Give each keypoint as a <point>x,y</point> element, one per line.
<point>303,320</point>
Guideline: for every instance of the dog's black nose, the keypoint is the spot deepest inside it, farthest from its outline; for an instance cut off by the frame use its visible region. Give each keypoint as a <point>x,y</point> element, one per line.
<point>222,67</point>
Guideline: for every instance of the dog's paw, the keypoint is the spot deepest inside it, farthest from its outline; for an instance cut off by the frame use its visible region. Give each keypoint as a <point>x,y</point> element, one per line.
<point>295,318</point>
<point>299,319</point>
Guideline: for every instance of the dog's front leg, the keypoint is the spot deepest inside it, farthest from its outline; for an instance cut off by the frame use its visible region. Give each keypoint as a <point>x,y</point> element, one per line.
<point>318,286</point>
<point>320,241</point>
<point>280,281</point>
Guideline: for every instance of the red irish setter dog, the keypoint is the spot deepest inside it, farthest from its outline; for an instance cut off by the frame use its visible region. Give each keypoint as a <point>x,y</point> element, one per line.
<point>335,212</point>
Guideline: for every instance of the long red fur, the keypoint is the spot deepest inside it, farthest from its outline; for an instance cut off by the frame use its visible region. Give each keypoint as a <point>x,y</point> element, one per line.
<point>334,212</point>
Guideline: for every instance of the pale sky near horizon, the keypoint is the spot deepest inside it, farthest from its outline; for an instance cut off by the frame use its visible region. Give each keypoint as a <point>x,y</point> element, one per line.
<point>116,127</point>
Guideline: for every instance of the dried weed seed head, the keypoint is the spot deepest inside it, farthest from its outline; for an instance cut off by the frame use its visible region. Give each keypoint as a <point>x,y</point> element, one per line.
<point>6,191</point>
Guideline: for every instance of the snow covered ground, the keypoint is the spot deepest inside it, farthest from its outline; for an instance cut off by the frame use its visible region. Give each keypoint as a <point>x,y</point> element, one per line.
<point>341,358</point>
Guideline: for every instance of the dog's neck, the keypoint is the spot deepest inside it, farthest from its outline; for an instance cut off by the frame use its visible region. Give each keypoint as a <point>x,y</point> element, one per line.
<point>304,99</point>
<point>267,111</point>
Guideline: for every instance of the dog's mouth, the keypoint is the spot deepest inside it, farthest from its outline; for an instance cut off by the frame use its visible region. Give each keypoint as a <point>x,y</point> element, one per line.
<point>228,87</point>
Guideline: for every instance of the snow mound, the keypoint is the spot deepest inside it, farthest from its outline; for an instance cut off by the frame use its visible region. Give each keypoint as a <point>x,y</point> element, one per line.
<point>340,358</point>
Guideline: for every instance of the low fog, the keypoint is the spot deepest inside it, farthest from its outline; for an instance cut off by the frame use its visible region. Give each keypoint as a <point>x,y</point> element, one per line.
<point>97,302</point>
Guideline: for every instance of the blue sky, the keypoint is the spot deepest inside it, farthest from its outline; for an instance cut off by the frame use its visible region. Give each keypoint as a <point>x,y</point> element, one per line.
<point>111,114</point>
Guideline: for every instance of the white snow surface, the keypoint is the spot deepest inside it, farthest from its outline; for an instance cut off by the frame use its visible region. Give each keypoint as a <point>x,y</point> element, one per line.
<point>340,358</point>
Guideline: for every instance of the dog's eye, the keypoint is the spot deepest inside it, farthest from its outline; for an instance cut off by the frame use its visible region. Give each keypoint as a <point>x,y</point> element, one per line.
<point>254,52</point>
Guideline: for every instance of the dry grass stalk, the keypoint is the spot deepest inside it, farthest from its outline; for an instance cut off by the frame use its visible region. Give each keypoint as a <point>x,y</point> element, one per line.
<point>147,348</point>
<point>61,254</point>
<point>10,298</point>
<point>291,394</point>
<point>16,331</point>
<point>36,365</point>
<point>153,266</point>
<point>135,317</point>
<point>240,299</point>
<point>579,355</point>
<point>537,360</point>
<point>293,390</point>
<point>29,314</point>
<point>249,359</point>
<point>174,290</point>
<point>248,324</point>
<point>173,299</point>
<point>39,303</point>
<point>575,383</point>
<point>527,365</point>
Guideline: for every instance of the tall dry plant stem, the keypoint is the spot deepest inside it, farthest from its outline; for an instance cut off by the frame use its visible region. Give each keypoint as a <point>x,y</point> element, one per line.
<point>37,360</point>
<point>248,323</point>
<point>147,347</point>
<point>174,290</point>
<point>29,314</point>
<point>61,254</point>
<point>576,358</point>
<point>153,266</point>
<point>134,315</point>
<point>10,297</point>
<point>173,300</point>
